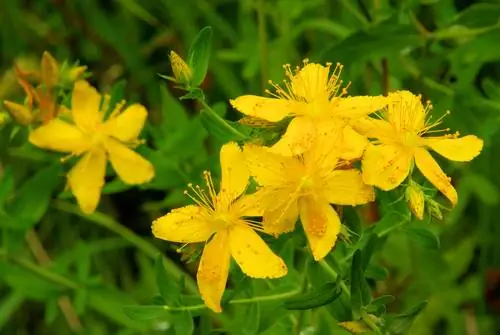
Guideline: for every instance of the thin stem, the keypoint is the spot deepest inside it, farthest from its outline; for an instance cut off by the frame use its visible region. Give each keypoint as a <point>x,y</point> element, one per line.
<point>365,317</point>
<point>261,22</point>
<point>243,301</point>
<point>41,271</point>
<point>334,276</point>
<point>64,303</point>
<point>143,245</point>
<point>221,121</point>
<point>369,322</point>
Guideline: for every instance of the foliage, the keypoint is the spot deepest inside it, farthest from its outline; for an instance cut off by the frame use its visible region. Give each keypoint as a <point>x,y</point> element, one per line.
<point>64,271</point>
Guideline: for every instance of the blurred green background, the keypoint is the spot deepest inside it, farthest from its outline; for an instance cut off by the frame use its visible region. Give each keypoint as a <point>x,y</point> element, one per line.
<point>447,50</point>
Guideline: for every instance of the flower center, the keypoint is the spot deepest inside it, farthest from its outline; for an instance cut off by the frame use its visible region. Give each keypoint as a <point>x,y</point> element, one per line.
<point>410,138</point>
<point>306,183</point>
<point>221,221</point>
<point>97,137</point>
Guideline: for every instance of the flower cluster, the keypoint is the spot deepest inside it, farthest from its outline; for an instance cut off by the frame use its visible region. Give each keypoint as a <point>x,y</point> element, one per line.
<point>89,128</point>
<point>309,169</point>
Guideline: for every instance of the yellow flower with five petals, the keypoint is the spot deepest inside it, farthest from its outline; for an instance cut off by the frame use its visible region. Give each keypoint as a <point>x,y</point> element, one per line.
<point>400,142</point>
<point>97,140</point>
<point>305,185</point>
<point>312,95</point>
<point>218,220</point>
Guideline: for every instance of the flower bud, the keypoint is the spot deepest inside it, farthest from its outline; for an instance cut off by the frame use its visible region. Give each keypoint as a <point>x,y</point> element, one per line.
<point>20,113</point>
<point>416,199</point>
<point>182,71</point>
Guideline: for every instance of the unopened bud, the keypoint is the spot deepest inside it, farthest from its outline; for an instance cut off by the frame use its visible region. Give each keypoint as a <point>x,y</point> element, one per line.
<point>18,112</point>
<point>434,209</point>
<point>182,71</point>
<point>50,70</point>
<point>416,199</point>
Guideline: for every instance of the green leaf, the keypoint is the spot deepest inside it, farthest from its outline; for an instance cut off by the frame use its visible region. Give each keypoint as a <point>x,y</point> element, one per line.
<point>167,287</point>
<point>314,298</point>
<point>230,131</point>
<point>424,237</point>
<point>379,303</point>
<point>360,291</point>
<point>193,94</point>
<point>183,323</point>
<point>6,185</point>
<point>199,55</point>
<point>141,313</point>
<point>9,304</point>
<point>380,40</point>
<point>389,222</point>
<point>252,320</point>
<point>33,198</point>
<point>401,324</point>
<point>174,116</point>
<point>31,285</point>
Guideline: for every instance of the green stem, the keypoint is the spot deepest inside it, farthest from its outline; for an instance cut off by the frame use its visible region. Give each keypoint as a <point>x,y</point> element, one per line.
<point>146,247</point>
<point>220,120</point>
<point>369,322</point>
<point>41,271</point>
<point>366,319</point>
<point>243,301</point>
<point>334,276</point>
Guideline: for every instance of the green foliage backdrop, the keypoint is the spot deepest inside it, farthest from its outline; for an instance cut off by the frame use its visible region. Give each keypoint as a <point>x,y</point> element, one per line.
<point>62,271</point>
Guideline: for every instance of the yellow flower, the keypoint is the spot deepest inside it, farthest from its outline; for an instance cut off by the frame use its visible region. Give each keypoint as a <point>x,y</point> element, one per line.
<point>217,220</point>
<point>416,199</point>
<point>311,96</point>
<point>97,140</point>
<point>305,186</point>
<point>400,142</point>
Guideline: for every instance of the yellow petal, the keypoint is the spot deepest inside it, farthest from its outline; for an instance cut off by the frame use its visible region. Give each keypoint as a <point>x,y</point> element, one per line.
<point>351,144</point>
<point>357,107</point>
<point>213,270</point>
<point>50,70</point>
<point>127,126</point>
<point>85,103</point>
<point>248,205</point>
<point>60,136</point>
<point>269,109</point>
<point>253,255</point>
<point>183,225</point>
<point>311,82</point>
<point>20,113</point>
<point>267,167</point>
<point>461,149</point>
<point>321,225</point>
<point>431,170</point>
<point>346,187</point>
<point>297,139</point>
<point>386,166</point>
<point>86,179</point>
<point>234,169</point>
<point>375,128</point>
<point>280,212</point>
<point>131,167</point>
<point>405,111</point>
<point>326,145</point>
